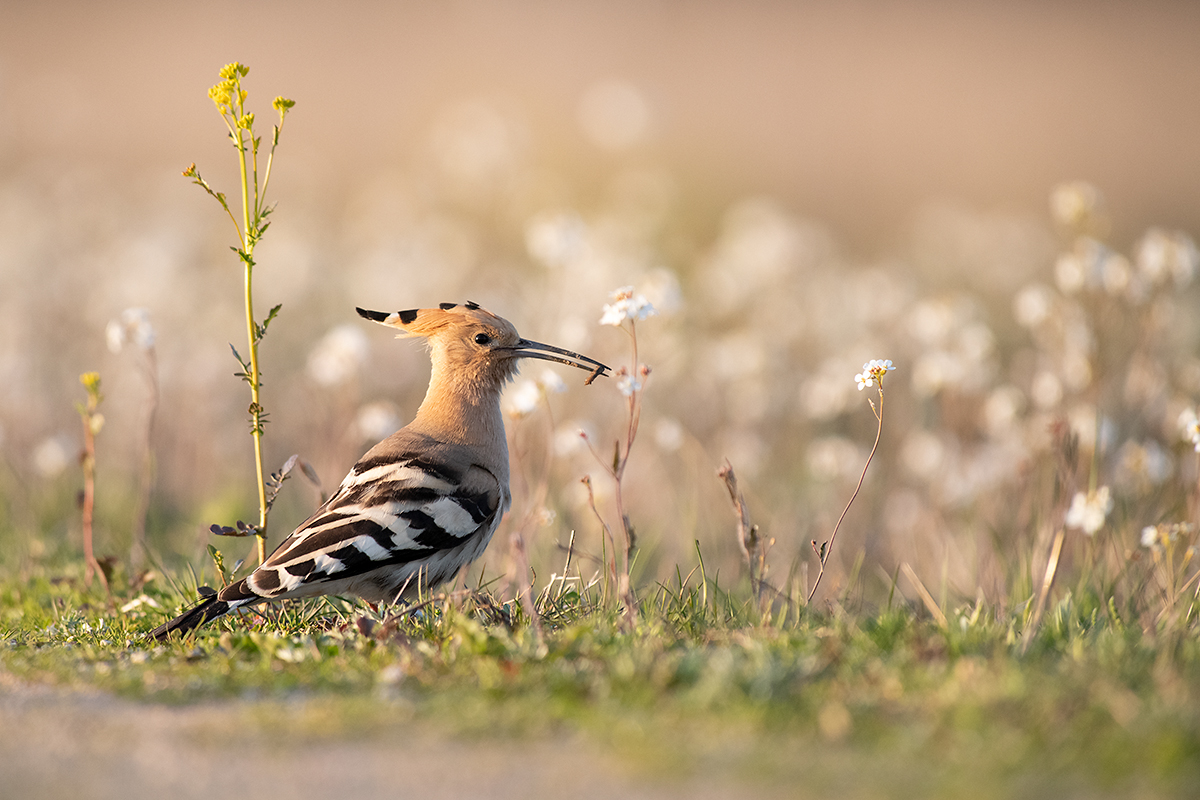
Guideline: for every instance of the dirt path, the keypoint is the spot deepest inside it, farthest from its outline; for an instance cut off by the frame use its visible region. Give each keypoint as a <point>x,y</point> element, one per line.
<point>75,745</point>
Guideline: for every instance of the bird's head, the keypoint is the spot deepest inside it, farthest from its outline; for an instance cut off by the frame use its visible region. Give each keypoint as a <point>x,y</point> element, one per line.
<point>474,344</point>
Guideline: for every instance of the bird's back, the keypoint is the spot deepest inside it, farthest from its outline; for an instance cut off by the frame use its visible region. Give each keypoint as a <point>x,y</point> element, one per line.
<point>410,514</point>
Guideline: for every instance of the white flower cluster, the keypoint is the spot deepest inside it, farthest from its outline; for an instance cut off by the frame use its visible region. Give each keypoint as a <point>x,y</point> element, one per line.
<point>627,385</point>
<point>1156,537</point>
<point>1189,426</point>
<point>338,356</point>
<point>133,327</point>
<point>1089,510</point>
<point>626,305</point>
<point>873,370</point>
<point>527,394</point>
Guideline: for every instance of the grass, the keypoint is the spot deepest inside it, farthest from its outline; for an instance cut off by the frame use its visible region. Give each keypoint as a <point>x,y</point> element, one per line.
<point>869,702</point>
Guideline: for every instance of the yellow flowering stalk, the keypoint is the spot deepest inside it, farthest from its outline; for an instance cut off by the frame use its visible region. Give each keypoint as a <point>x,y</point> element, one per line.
<point>230,100</point>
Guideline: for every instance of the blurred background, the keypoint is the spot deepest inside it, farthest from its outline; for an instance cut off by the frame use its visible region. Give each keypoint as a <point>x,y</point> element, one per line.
<point>796,187</point>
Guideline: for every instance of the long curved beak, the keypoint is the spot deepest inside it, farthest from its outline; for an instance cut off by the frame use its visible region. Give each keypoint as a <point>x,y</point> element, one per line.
<point>528,349</point>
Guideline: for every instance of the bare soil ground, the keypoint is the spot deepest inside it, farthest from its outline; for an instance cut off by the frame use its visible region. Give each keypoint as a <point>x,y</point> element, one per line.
<point>82,744</point>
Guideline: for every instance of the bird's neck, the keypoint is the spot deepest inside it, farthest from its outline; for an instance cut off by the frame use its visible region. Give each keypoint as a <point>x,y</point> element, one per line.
<point>463,411</point>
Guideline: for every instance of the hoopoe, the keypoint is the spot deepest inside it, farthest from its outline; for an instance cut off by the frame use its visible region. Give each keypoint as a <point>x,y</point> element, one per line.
<point>422,503</point>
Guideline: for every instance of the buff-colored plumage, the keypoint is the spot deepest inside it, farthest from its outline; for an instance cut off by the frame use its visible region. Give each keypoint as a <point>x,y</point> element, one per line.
<point>422,503</point>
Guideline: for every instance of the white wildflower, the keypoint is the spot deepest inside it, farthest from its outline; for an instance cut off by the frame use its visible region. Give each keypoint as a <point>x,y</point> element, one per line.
<point>51,457</point>
<point>378,420</point>
<point>626,306</point>
<point>628,385</point>
<point>557,239</point>
<point>668,434</point>
<point>524,399</point>
<point>1157,537</point>
<point>1089,510</point>
<point>873,370</point>
<point>1032,305</point>
<point>1190,427</point>
<point>1075,203</point>
<point>338,355</point>
<point>551,382</point>
<point>1163,255</point>
<point>1150,538</point>
<point>132,327</point>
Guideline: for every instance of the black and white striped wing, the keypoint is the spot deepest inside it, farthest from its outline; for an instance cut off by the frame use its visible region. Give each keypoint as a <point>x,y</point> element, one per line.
<point>395,514</point>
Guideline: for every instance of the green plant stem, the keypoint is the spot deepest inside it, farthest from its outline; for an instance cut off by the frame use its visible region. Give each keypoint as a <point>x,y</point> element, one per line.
<point>823,558</point>
<point>256,408</point>
<point>256,431</point>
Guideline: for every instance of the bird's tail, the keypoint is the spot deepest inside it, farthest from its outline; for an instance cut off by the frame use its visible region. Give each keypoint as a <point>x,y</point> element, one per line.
<point>205,611</point>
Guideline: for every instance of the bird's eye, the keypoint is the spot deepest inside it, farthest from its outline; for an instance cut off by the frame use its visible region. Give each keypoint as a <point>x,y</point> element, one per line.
<point>482,338</point>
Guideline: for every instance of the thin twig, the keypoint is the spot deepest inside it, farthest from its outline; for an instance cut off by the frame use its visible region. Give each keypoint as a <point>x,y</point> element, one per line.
<point>747,534</point>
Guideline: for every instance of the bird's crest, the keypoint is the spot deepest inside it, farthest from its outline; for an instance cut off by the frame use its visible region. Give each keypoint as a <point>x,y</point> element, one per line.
<point>426,322</point>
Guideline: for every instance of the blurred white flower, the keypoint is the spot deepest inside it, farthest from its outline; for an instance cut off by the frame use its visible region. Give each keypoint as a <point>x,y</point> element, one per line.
<point>1089,510</point>
<point>975,343</point>
<point>668,434</point>
<point>760,249</point>
<point>936,370</point>
<point>1142,463</point>
<point>1189,427</point>
<point>134,327</point>
<point>627,385</point>
<point>1091,427</point>
<point>51,457</point>
<point>1069,273</point>
<point>1092,265</point>
<point>1157,537</point>
<point>1116,274</point>
<point>375,421</point>
<point>1076,368</point>
<point>557,238</point>
<point>626,305</point>
<point>1001,408</point>
<point>523,399</point>
<point>825,394</point>
<point>923,453</point>
<point>1163,254</point>
<point>551,382</point>
<point>527,394</point>
<point>933,320</point>
<point>661,287</point>
<point>1150,537</point>
<point>1032,305</point>
<point>338,355</point>
<point>570,438</point>
<point>1074,204</point>
<point>833,457</point>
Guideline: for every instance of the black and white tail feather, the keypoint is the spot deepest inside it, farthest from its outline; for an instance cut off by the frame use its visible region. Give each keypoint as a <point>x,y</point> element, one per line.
<point>422,503</point>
